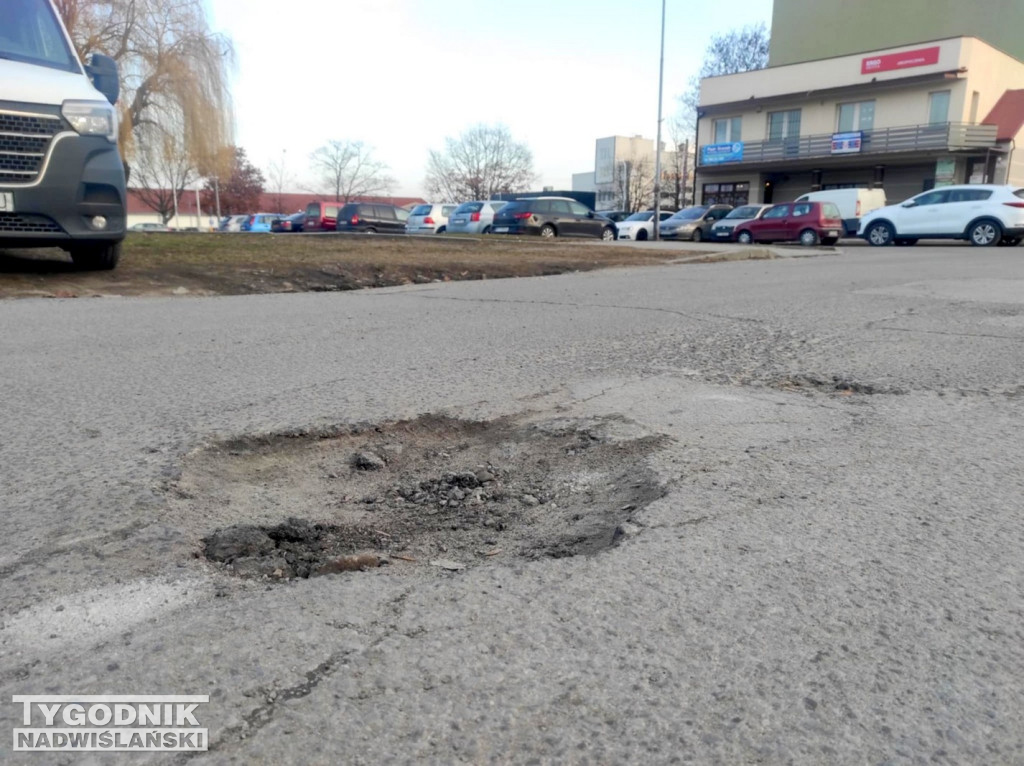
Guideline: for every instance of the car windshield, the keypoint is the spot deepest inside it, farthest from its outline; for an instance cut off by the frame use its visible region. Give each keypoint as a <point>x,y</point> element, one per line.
<point>29,32</point>
<point>469,207</point>
<point>644,215</point>
<point>744,212</point>
<point>421,210</point>
<point>689,214</point>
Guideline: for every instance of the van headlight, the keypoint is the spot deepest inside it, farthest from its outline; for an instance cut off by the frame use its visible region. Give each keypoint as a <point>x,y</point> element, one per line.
<point>91,118</point>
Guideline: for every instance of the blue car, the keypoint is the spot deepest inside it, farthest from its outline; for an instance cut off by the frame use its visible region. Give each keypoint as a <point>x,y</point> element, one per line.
<point>260,221</point>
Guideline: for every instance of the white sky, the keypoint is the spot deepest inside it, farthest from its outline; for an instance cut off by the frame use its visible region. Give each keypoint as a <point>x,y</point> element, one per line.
<point>401,75</point>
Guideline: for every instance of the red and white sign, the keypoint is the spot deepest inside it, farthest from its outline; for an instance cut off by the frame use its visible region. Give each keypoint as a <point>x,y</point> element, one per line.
<point>904,60</point>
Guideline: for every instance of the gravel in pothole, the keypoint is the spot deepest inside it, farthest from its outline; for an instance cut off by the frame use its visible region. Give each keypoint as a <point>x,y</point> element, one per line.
<point>434,491</point>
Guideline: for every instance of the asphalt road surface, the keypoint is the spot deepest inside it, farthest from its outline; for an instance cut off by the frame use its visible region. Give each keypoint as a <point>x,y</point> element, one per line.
<point>834,573</point>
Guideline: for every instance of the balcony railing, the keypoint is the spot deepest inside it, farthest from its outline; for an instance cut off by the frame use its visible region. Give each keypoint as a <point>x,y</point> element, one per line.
<point>946,136</point>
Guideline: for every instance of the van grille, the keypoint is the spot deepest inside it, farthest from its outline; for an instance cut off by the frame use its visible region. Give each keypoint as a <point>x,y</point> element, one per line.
<point>24,140</point>
<point>28,224</point>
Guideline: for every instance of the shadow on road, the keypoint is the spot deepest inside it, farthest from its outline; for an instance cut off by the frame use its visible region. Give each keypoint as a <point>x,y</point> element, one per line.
<point>44,261</point>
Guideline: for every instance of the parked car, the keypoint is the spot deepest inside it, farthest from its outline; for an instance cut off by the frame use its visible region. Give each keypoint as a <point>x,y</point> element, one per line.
<point>232,222</point>
<point>260,221</point>
<point>810,223</point>
<point>640,226</point>
<point>474,217</point>
<point>614,215</point>
<point>431,218</point>
<point>852,203</point>
<point>723,230</point>
<point>371,218</point>
<point>552,217</point>
<point>983,214</point>
<point>292,223</point>
<point>692,223</point>
<point>150,227</point>
<point>322,216</point>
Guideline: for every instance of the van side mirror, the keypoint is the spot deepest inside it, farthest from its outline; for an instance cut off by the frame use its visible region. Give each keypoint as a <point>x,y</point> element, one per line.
<point>102,70</point>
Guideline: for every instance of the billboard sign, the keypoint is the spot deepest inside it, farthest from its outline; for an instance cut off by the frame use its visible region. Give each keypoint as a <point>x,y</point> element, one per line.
<point>715,154</point>
<point>847,143</point>
<point>893,61</point>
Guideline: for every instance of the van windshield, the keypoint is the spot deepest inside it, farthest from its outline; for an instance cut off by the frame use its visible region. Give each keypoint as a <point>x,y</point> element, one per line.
<point>30,33</point>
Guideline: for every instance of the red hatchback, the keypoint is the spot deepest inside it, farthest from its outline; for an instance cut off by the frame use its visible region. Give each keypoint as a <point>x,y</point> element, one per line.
<point>322,216</point>
<point>810,223</point>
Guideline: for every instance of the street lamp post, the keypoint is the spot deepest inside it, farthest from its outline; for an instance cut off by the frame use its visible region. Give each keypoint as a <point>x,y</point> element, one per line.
<point>657,141</point>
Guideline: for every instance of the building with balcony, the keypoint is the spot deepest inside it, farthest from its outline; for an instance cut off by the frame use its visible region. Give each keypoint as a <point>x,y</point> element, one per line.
<point>903,119</point>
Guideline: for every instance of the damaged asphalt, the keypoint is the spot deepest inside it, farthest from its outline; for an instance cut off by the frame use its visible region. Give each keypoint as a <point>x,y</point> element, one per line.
<point>823,565</point>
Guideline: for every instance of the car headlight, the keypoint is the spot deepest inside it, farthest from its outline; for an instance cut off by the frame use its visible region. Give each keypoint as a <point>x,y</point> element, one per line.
<point>91,118</point>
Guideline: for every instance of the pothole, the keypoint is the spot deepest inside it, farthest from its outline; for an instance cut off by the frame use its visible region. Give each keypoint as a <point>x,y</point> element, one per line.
<point>835,384</point>
<point>431,492</point>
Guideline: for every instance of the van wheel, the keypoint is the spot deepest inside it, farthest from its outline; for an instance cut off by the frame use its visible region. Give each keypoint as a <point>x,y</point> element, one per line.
<point>697,235</point>
<point>745,238</point>
<point>809,238</point>
<point>548,231</point>
<point>99,256</point>
<point>985,233</point>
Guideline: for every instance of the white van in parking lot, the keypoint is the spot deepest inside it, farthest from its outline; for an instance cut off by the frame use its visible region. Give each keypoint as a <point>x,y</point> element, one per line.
<point>61,177</point>
<point>853,204</point>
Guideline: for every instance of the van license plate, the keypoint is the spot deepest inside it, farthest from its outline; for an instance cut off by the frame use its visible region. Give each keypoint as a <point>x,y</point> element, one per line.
<point>6,202</point>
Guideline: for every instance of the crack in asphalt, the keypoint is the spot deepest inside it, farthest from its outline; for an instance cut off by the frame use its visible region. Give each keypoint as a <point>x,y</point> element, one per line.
<point>946,332</point>
<point>262,715</point>
<point>567,304</point>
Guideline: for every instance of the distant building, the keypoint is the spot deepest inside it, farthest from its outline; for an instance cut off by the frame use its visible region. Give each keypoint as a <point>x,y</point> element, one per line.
<point>903,118</point>
<point>583,182</point>
<point>624,171</point>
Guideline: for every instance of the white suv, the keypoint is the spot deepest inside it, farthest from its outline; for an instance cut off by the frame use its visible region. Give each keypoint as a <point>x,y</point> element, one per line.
<point>983,214</point>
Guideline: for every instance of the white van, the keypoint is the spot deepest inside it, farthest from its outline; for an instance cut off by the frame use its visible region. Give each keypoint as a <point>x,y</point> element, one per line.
<point>62,180</point>
<point>852,204</point>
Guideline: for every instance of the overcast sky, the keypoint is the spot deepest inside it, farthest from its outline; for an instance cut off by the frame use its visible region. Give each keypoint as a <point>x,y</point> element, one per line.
<point>401,75</point>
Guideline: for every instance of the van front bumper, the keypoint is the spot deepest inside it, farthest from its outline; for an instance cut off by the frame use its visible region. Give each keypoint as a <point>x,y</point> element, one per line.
<point>83,180</point>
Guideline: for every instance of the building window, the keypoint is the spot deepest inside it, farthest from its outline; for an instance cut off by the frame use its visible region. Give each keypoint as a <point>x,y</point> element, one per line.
<point>856,116</point>
<point>938,107</point>
<point>729,130</point>
<point>783,125</point>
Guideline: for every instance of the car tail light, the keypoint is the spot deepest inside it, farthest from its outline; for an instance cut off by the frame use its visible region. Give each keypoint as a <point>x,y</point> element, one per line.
<point>475,217</point>
<point>354,220</point>
<point>1014,204</point>
<point>429,220</point>
<point>521,216</point>
<point>857,211</point>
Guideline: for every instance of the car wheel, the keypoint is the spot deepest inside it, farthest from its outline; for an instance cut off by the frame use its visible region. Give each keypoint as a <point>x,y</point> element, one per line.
<point>608,234</point>
<point>102,256</point>
<point>745,238</point>
<point>809,238</point>
<point>880,234</point>
<point>370,231</point>
<point>906,242</point>
<point>547,231</point>
<point>487,230</point>
<point>641,235</point>
<point>985,233</point>
<point>697,235</point>
<point>443,230</point>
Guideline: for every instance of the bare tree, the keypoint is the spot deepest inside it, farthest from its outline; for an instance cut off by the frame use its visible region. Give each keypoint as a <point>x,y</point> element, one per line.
<point>349,170</point>
<point>680,165</point>
<point>162,170</point>
<point>634,183</point>
<point>480,163</point>
<point>171,65</point>
<point>278,178</point>
<point>740,50</point>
